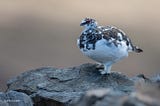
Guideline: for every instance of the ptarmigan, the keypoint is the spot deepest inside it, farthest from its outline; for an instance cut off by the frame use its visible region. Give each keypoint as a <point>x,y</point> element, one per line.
<point>104,44</point>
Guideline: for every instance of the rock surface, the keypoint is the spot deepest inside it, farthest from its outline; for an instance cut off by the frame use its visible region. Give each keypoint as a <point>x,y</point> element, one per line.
<point>109,97</point>
<point>13,98</point>
<point>50,86</point>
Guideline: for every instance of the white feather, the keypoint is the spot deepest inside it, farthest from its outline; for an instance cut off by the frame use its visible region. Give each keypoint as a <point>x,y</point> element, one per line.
<point>104,52</point>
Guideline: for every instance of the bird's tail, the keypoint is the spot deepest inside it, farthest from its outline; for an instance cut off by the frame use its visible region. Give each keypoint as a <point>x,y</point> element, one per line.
<point>137,49</point>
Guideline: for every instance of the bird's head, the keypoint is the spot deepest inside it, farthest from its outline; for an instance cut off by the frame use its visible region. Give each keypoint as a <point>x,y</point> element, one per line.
<point>88,23</point>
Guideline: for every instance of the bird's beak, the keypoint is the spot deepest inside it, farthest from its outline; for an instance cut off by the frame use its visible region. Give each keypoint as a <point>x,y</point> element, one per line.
<point>82,23</point>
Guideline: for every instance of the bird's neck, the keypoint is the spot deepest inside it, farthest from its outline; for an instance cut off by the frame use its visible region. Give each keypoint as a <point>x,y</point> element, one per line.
<point>87,27</point>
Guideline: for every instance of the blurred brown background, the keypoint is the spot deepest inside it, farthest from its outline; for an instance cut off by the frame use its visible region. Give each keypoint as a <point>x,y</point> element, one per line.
<point>36,33</point>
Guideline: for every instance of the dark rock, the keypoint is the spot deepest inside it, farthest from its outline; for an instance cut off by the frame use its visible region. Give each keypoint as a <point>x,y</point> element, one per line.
<point>13,98</point>
<point>109,97</point>
<point>146,93</point>
<point>156,79</point>
<point>65,86</point>
<point>58,87</point>
<point>100,97</point>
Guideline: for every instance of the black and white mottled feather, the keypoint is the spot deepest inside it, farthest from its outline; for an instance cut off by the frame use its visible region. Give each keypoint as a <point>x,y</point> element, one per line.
<point>104,44</point>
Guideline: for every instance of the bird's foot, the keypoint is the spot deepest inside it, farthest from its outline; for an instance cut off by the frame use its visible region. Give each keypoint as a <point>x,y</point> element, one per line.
<point>103,72</point>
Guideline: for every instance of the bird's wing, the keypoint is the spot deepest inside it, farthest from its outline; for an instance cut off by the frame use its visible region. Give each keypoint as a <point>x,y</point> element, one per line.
<point>89,37</point>
<point>117,35</point>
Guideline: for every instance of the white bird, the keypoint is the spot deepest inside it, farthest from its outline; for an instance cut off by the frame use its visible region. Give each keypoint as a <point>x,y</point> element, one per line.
<point>104,44</point>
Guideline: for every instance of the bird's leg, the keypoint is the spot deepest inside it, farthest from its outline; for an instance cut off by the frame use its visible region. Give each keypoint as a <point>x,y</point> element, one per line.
<point>107,68</point>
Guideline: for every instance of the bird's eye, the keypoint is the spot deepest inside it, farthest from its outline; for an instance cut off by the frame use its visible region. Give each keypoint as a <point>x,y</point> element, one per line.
<point>88,21</point>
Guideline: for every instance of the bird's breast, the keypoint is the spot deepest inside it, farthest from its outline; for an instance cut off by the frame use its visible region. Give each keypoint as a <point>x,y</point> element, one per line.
<point>105,51</point>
